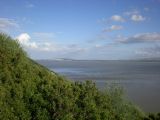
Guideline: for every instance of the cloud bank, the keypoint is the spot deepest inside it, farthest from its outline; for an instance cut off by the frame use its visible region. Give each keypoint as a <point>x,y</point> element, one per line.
<point>6,24</point>
<point>140,38</point>
<point>25,40</point>
<point>149,52</point>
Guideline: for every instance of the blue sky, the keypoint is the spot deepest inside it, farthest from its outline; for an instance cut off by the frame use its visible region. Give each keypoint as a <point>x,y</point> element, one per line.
<point>84,29</point>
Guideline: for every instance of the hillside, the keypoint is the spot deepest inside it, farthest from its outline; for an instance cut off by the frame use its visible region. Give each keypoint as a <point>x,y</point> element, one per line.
<point>29,91</point>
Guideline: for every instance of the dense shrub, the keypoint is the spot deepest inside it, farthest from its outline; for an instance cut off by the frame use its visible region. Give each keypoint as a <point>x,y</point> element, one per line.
<point>29,91</point>
<point>152,116</point>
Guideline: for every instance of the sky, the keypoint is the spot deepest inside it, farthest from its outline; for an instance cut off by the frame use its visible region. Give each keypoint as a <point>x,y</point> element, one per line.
<point>84,29</point>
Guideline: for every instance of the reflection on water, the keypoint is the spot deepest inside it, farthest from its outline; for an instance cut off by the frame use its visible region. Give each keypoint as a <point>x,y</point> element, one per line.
<point>141,80</point>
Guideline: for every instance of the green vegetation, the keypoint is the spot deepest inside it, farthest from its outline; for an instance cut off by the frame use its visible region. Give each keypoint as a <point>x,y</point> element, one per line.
<point>152,116</point>
<point>29,91</point>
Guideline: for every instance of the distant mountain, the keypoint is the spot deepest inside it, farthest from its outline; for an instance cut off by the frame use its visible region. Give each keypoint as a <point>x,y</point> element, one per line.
<point>63,59</point>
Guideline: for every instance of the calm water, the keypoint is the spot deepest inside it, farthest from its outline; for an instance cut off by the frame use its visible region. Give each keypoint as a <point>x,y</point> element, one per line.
<point>140,79</point>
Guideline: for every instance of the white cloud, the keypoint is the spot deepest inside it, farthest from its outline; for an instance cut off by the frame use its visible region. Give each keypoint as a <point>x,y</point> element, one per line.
<point>137,18</point>
<point>24,40</point>
<point>6,24</point>
<point>98,46</point>
<point>33,45</point>
<point>135,15</point>
<point>132,12</point>
<point>50,46</point>
<point>114,18</point>
<point>116,27</point>
<point>141,38</point>
<point>117,18</point>
<point>44,35</point>
<point>113,28</point>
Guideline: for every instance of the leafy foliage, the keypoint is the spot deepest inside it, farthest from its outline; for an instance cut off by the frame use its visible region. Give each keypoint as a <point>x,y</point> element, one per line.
<point>29,91</point>
<point>152,116</point>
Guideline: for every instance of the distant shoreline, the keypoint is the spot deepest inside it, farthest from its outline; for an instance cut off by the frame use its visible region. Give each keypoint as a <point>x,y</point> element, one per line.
<point>95,60</point>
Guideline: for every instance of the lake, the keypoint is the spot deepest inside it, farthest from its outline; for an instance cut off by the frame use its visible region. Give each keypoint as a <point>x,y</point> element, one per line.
<point>140,79</point>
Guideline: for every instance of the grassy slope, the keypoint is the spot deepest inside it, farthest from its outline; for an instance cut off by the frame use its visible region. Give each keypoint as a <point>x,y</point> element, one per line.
<point>30,91</point>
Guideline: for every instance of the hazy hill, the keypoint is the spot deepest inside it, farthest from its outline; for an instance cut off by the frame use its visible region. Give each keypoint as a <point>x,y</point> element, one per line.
<point>29,91</point>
